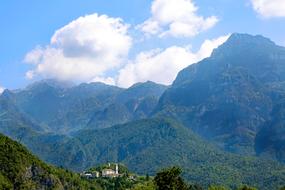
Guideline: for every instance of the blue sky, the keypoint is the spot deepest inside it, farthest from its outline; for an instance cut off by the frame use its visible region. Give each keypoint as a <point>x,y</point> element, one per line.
<point>28,25</point>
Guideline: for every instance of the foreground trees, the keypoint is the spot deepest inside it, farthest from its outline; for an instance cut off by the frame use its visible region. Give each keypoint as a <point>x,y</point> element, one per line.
<point>170,179</point>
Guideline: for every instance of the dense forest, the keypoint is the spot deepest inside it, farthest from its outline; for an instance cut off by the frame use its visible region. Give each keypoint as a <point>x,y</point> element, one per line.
<point>19,169</point>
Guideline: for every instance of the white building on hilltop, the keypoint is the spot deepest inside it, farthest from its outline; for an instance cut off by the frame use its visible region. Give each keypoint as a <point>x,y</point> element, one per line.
<point>110,173</point>
<point>117,169</point>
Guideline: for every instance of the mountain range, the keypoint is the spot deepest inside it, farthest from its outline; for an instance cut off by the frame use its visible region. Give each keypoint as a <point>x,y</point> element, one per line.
<point>222,119</point>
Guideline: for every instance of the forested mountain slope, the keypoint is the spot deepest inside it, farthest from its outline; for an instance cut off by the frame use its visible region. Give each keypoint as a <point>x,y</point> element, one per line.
<point>228,97</point>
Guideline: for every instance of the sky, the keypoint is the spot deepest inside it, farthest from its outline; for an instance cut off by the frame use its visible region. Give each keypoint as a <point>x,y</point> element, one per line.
<point>122,42</point>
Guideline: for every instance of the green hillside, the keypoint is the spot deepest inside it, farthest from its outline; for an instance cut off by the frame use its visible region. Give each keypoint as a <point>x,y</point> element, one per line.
<point>21,170</point>
<point>147,146</point>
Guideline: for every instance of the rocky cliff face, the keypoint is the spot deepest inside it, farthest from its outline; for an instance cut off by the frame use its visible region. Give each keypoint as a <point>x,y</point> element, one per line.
<point>228,97</point>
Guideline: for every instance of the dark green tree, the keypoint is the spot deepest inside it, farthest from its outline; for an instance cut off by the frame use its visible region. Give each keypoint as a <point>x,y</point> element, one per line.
<point>170,179</point>
<point>147,177</point>
<point>195,187</point>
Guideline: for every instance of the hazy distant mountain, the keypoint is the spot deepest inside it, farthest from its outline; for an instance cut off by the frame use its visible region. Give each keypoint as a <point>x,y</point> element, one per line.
<point>12,121</point>
<point>229,96</point>
<point>65,108</point>
<point>141,91</point>
<point>136,102</point>
<point>61,108</point>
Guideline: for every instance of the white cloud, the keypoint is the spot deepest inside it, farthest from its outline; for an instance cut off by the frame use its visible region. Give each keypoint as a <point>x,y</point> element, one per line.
<point>83,50</point>
<point>177,18</point>
<point>163,66</point>
<point>92,47</point>
<point>107,80</point>
<point>155,65</point>
<point>269,8</point>
<point>1,89</point>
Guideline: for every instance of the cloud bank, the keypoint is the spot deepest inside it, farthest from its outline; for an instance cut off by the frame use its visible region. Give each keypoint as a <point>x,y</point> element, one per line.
<point>176,18</point>
<point>269,8</point>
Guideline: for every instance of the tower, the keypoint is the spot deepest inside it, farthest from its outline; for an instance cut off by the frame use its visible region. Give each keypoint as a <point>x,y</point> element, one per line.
<point>117,169</point>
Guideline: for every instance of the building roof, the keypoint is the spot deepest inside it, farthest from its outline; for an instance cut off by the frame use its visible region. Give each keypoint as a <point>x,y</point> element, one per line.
<point>108,170</point>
